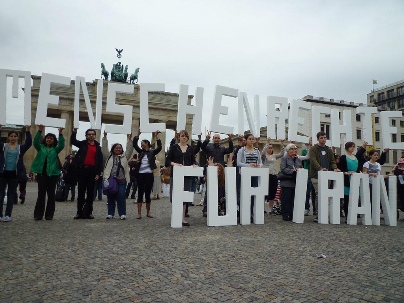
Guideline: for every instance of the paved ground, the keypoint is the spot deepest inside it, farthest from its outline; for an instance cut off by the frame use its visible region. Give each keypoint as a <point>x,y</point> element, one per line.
<point>145,260</point>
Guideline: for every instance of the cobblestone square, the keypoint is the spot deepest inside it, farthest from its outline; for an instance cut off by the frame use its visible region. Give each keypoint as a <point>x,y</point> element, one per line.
<point>146,260</point>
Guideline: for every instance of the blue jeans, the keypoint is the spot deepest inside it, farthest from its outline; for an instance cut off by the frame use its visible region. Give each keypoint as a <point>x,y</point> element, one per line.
<point>193,184</point>
<point>9,180</point>
<point>98,189</point>
<point>119,199</point>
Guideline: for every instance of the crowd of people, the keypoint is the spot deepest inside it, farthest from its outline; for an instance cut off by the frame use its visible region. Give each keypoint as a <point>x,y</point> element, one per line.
<point>120,173</point>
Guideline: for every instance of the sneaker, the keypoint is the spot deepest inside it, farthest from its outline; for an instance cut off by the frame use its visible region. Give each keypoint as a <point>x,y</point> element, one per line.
<point>306,212</point>
<point>205,214</point>
<point>316,219</point>
<point>123,217</point>
<point>7,219</point>
<point>110,217</point>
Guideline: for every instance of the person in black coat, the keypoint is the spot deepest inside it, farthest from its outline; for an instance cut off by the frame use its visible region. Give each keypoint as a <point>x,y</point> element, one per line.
<point>146,164</point>
<point>181,154</point>
<point>70,178</point>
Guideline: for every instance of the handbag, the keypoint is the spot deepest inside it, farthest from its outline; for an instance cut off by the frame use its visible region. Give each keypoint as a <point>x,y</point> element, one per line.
<point>281,176</point>
<point>109,186</point>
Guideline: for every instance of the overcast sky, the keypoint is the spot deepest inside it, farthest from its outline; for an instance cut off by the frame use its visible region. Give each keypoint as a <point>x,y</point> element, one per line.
<point>281,48</point>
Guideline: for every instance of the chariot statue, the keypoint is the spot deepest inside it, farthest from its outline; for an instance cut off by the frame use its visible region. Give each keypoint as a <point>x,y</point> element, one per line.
<point>118,73</point>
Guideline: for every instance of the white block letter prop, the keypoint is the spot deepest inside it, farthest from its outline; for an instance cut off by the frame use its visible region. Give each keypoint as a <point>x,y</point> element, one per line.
<point>145,125</point>
<point>46,98</point>
<point>333,195</point>
<point>387,130</point>
<point>231,198</point>
<point>367,122</point>
<point>243,102</point>
<point>300,195</point>
<point>276,117</point>
<point>359,186</point>
<point>112,107</point>
<point>295,121</point>
<point>95,123</point>
<point>179,195</point>
<point>16,74</point>
<point>338,129</point>
<point>195,110</point>
<point>316,118</point>
<point>389,202</point>
<point>218,109</point>
<point>257,192</point>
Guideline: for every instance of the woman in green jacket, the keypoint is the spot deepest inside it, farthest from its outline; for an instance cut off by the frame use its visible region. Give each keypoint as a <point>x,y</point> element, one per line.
<point>46,166</point>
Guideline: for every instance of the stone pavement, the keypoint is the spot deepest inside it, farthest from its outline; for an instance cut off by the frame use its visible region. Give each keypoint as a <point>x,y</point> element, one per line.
<point>146,260</point>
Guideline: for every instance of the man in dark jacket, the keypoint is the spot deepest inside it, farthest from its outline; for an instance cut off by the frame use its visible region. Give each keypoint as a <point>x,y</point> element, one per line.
<point>89,162</point>
<point>215,150</point>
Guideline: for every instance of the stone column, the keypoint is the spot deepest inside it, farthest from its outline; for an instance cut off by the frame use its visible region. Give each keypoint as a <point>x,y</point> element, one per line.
<point>31,153</point>
<point>135,129</point>
<point>67,133</point>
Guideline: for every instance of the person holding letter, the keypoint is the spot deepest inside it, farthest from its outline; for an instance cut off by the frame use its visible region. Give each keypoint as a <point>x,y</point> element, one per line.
<point>11,166</point>
<point>181,154</point>
<point>145,166</point>
<point>47,167</point>
<point>349,165</point>
<point>250,156</point>
<point>89,161</point>
<point>321,158</point>
<point>290,164</point>
<point>269,160</point>
<point>117,166</point>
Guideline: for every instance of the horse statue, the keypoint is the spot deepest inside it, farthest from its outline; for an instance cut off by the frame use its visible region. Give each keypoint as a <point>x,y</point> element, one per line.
<point>134,76</point>
<point>125,74</point>
<point>104,72</point>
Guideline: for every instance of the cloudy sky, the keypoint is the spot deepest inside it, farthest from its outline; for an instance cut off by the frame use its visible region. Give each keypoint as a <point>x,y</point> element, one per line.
<point>280,48</point>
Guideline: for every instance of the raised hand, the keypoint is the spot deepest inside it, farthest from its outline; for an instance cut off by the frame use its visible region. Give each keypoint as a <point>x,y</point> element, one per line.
<point>41,128</point>
<point>27,128</point>
<point>105,134</point>
<point>60,130</point>
<point>230,160</point>
<point>208,136</point>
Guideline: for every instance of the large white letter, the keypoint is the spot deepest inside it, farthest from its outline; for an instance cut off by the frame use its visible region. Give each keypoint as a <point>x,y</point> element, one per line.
<point>387,130</point>
<point>295,120</point>
<point>16,74</point>
<point>300,195</point>
<point>315,124</point>
<point>145,125</point>
<point>254,127</point>
<point>231,199</point>
<point>276,117</point>
<point>367,122</point>
<point>389,202</point>
<point>359,186</point>
<point>195,110</point>
<point>258,194</point>
<point>338,129</point>
<point>334,195</point>
<point>112,107</point>
<point>95,123</point>
<point>179,195</point>
<point>46,98</point>
<point>218,109</point>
